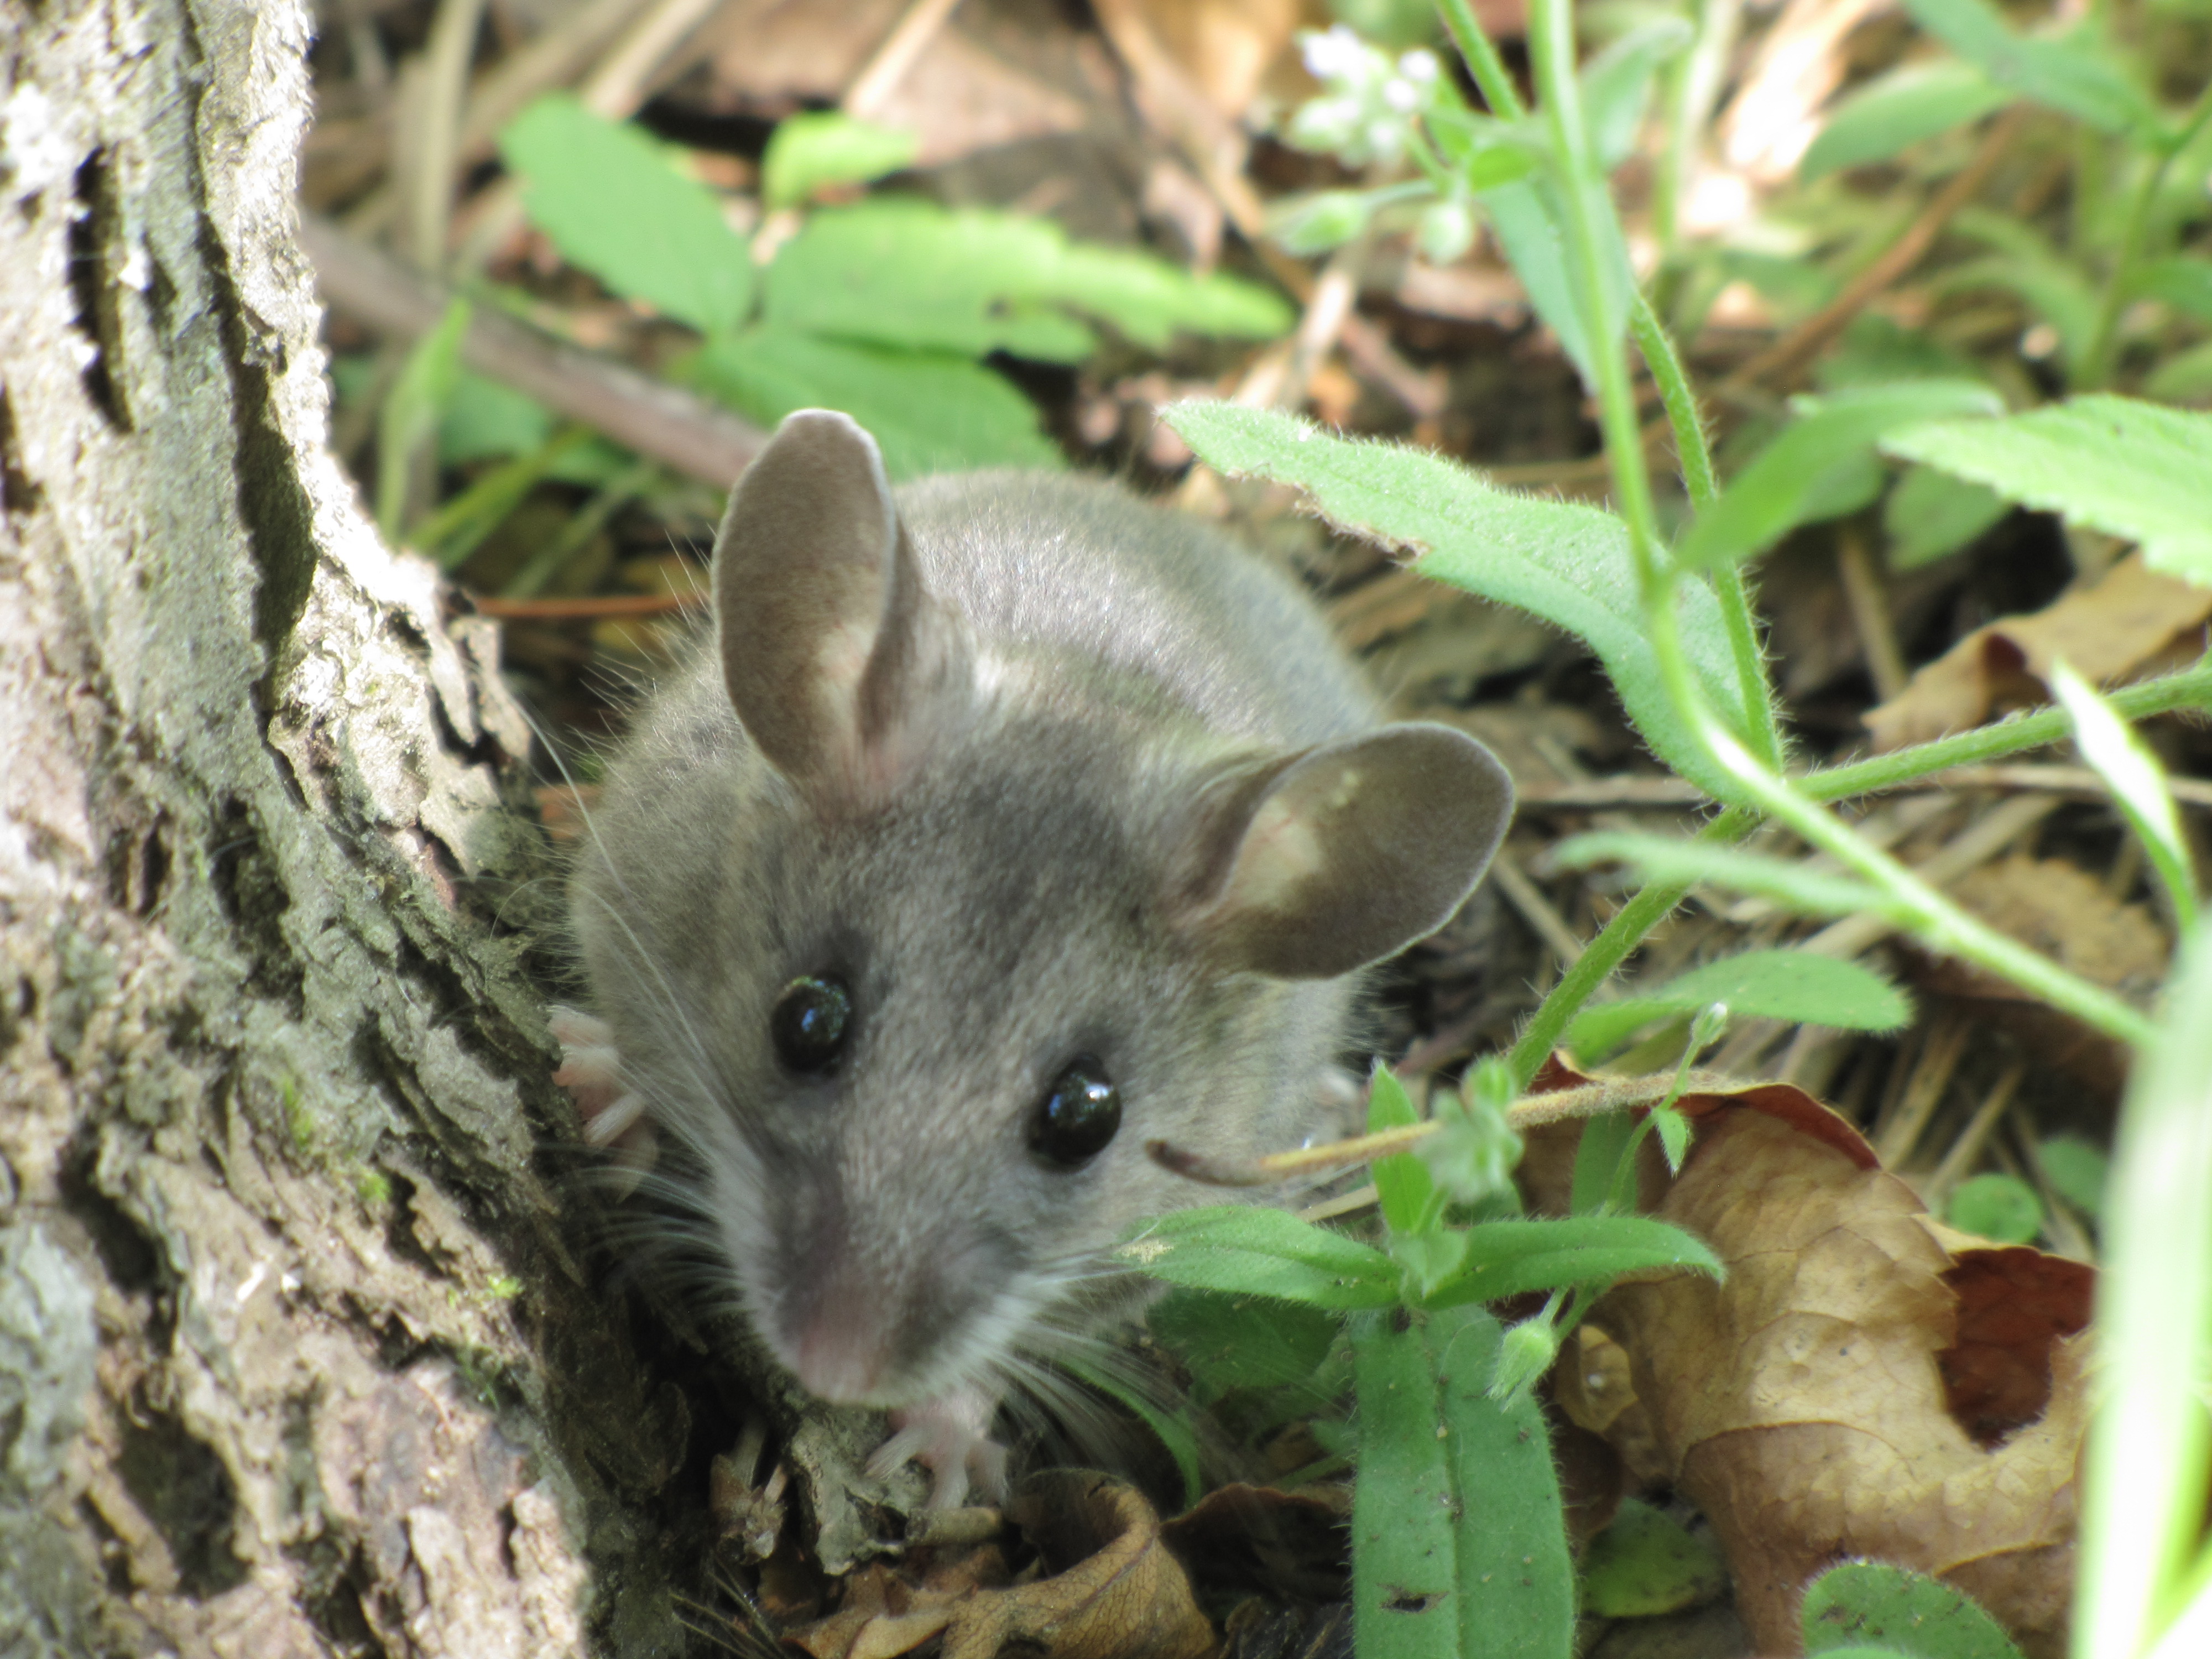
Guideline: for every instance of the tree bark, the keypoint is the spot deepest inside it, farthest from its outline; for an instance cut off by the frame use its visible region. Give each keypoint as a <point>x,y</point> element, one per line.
<point>295,1355</point>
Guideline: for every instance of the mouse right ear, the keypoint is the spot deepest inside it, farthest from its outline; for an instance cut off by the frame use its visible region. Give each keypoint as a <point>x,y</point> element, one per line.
<point>1337,857</point>
<point>840,667</point>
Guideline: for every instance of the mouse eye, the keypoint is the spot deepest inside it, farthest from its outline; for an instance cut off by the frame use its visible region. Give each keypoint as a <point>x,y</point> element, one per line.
<point>1079,1114</point>
<point>810,1022</point>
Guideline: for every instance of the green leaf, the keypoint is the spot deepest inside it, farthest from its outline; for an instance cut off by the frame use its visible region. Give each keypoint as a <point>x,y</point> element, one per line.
<point>1895,110</point>
<point>1323,219</point>
<point>1567,564</point>
<point>1251,1251</point>
<point>1864,1603</point>
<point>2071,74</point>
<point>2118,464</point>
<point>2137,781</point>
<point>2183,281</point>
<point>408,422</point>
<point>1174,1434</point>
<point>1508,1258</point>
<point>486,421</point>
<point>1429,1259</point>
<point>1834,434</point>
<point>2077,1170</point>
<point>613,202</point>
<point>1675,859</point>
<point>1931,513</point>
<point>1795,986</point>
<point>1646,1563</point>
<point>1525,215</point>
<point>2053,285</point>
<point>1458,1547</point>
<point>928,410</point>
<point>1242,1341</point>
<point>825,147</point>
<point>2000,1207</point>
<point>1616,85</point>
<point>1473,1152</point>
<point>2186,377</point>
<point>907,273</point>
<point>1403,1186</point>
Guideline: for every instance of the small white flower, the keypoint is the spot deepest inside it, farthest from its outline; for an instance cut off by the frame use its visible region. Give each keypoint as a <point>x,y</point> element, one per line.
<point>1419,64</point>
<point>1401,95</point>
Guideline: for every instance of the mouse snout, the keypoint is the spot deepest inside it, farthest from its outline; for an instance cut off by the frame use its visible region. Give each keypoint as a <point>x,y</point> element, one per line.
<point>879,1326</point>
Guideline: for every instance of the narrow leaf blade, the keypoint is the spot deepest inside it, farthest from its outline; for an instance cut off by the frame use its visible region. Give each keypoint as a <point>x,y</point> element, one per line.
<point>2137,781</point>
<point>1256,1251</point>
<point>2119,465</point>
<point>1568,565</point>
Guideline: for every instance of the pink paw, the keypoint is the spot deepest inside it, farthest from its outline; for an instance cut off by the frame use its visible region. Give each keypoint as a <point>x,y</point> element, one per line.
<point>949,1436</point>
<point>591,1070</point>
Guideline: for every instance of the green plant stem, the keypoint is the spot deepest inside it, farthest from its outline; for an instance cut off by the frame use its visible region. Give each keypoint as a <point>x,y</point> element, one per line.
<point>2143,1497</point>
<point>1937,921</point>
<point>2097,356</point>
<point>1729,585</point>
<point>1603,955</point>
<point>1483,62</point>
<point>1694,84</point>
<point>2189,688</point>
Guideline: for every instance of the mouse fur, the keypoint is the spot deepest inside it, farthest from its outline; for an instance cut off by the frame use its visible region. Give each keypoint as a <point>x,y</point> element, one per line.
<point>1035,771</point>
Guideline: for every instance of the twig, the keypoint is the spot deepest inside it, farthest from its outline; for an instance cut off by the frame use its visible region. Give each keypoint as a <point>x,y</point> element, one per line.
<point>880,77</point>
<point>1968,1146</point>
<point>1794,350</point>
<point>1870,606</point>
<point>430,191</point>
<point>683,432</point>
<point>1529,900</point>
<point>1923,1091</point>
<point>597,607</point>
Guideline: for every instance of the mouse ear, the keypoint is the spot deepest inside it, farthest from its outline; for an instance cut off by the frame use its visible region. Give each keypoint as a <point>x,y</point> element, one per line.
<point>1349,851</point>
<point>839,666</point>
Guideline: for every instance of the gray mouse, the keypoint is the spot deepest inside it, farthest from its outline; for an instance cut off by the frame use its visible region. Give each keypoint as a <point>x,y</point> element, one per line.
<point>1008,824</point>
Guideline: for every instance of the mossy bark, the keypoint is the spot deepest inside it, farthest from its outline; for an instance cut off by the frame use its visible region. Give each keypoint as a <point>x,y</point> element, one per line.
<point>297,1356</point>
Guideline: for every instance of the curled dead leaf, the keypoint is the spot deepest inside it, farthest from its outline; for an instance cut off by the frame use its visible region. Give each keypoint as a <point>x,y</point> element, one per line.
<point>1861,1384</point>
<point>1110,1589</point>
<point>2129,622</point>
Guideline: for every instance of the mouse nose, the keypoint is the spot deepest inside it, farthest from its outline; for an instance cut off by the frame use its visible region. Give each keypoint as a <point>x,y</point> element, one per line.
<point>840,1350</point>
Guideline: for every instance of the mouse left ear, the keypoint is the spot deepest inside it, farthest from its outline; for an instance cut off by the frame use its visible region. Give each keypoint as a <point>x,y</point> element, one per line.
<point>839,666</point>
<point>1349,852</point>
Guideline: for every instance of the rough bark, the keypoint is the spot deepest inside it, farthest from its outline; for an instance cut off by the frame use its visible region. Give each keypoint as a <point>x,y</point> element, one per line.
<point>296,1356</point>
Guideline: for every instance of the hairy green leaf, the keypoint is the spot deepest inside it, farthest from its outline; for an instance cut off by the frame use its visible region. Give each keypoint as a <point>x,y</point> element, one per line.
<point>1242,1341</point>
<point>905,272</point>
<point>1252,1250</point>
<point>1789,985</point>
<point>1567,564</point>
<point>2137,781</point>
<point>1867,1603</point>
<point>1402,1183</point>
<point>1834,434</point>
<point>826,147</point>
<point>1509,1258</point>
<point>613,202</point>
<point>1458,1549</point>
<point>2118,464</point>
<point>2071,74</point>
<point>930,411</point>
<point>1896,110</point>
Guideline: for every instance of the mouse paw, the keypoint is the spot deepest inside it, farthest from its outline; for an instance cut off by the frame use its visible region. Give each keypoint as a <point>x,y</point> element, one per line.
<point>949,1436</point>
<point>591,1070</point>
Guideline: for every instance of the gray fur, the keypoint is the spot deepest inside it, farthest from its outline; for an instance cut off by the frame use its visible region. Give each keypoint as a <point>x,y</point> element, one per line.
<point>1021,841</point>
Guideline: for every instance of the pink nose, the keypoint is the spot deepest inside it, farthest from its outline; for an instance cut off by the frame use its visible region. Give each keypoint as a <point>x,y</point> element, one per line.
<point>837,1355</point>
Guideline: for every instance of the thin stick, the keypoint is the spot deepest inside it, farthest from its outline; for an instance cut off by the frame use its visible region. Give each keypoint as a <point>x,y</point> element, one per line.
<point>880,77</point>
<point>430,191</point>
<point>684,433</point>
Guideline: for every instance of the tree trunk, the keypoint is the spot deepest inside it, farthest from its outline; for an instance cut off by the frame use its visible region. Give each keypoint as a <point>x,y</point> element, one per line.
<point>295,1356</point>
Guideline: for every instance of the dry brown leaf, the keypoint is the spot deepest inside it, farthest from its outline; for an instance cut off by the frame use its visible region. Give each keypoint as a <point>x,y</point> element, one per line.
<point>2129,622</point>
<point>1858,1385</point>
<point>1112,1589</point>
<point>1291,1546</point>
<point>1223,46</point>
<point>2061,911</point>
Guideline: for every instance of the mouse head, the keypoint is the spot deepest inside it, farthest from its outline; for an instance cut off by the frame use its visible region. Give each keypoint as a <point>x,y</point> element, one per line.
<point>990,923</point>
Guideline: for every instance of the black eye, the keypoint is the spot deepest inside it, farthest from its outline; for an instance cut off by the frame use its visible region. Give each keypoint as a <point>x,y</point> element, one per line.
<point>810,1022</point>
<point>1079,1114</point>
